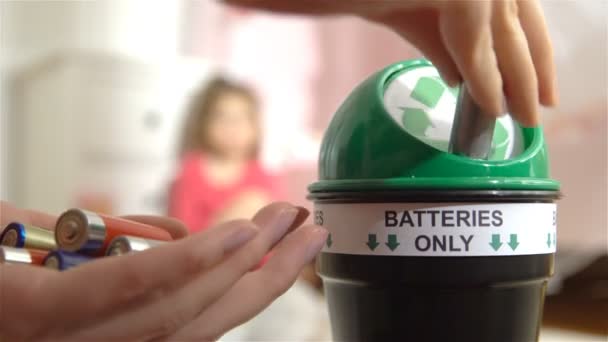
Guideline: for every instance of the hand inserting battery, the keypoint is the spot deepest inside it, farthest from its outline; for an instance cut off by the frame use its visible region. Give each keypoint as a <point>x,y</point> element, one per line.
<point>501,48</point>
<point>197,287</point>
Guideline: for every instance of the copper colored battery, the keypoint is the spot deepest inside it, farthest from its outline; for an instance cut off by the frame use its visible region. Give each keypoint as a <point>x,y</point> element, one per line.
<point>26,236</point>
<point>12,255</point>
<point>90,233</point>
<point>125,244</point>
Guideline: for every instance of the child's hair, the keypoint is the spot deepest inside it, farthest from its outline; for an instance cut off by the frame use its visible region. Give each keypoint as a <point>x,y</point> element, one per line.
<point>201,111</point>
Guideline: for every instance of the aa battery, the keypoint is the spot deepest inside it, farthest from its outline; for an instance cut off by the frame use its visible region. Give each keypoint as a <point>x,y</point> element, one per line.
<point>125,244</point>
<point>12,255</point>
<point>26,236</point>
<point>62,260</point>
<point>472,130</point>
<point>86,232</point>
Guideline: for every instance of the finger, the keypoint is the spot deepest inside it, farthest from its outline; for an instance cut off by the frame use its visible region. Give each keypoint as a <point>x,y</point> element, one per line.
<point>9,213</point>
<point>301,217</point>
<point>466,33</point>
<point>42,220</point>
<point>174,226</point>
<point>113,282</point>
<point>263,218</point>
<point>163,317</point>
<point>422,30</point>
<point>533,23</point>
<point>257,290</point>
<point>19,296</point>
<point>515,63</point>
<point>267,214</point>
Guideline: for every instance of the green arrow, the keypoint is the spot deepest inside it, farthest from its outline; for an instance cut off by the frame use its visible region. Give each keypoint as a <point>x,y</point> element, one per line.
<point>496,241</point>
<point>416,121</point>
<point>454,90</point>
<point>554,239</point>
<point>549,240</point>
<point>329,242</point>
<point>392,243</point>
<point>428,90</point>
<point>513,241</point>
<point>371,241</point>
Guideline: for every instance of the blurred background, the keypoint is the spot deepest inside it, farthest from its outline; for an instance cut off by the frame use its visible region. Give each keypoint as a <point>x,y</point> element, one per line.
<point>95,96</point>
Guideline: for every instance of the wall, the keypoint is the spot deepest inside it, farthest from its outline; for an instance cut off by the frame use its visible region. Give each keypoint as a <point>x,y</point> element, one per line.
<point>137,28</point>
<point>31,31</point>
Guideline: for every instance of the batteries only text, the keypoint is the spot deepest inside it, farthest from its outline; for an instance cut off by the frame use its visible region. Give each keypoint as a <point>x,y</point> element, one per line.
<point>443,218</point>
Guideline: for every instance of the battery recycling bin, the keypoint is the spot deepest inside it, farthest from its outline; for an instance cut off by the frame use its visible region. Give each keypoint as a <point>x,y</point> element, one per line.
<point>426,245</point>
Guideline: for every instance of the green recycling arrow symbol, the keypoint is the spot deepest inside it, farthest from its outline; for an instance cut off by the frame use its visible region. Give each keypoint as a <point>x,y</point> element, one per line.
<point>416,121</point>
<point>454,91</point>
<point>392,242</point>
<point>495,242</point>
<point>371,242</point>
<point>428,90</point>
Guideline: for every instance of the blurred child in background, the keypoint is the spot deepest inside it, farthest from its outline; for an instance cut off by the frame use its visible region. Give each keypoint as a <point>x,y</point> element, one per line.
<point>220,177</point>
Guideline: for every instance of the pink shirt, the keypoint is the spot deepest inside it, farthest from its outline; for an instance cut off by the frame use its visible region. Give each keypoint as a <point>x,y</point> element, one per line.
<point>195,200</point>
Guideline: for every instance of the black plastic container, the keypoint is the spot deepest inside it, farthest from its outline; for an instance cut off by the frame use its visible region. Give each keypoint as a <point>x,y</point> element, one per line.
<point>426,245</point>
<point>387,298</point>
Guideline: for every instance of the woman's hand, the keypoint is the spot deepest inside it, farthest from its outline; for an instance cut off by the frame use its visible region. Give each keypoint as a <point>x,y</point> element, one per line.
<point>499,48</point>
<point>195,288</point>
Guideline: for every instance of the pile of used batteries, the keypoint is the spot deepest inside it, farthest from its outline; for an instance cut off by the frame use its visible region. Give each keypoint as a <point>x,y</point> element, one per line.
<point>79,236</point>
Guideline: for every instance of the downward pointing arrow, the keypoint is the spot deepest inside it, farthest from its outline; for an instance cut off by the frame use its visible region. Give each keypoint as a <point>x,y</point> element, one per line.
<point>392,243</point>
<point>495,242</point>
<point>329,241</point>
<point>549,240</point>
<point>371,241</point>
<point>513,241</point>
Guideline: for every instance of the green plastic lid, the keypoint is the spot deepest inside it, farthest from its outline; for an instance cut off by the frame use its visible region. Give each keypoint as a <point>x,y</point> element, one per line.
<point>393,131</point>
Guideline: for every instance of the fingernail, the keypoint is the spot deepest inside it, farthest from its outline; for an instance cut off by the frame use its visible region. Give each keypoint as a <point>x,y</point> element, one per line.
<point>450,81</point>
<point>555,97</point>
<point>529,122</point>
<point>239,237</point>
<point>318,239</point>
<point>287,217</point>
<point>554,92</point>
<point>301,216</point>
<point>281,222</point>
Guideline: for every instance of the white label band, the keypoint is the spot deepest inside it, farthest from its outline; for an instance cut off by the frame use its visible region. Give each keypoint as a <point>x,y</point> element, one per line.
<point>439,229</point>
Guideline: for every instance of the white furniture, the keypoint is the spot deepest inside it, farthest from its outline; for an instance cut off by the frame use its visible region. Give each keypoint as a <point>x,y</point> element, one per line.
<point>98,124</point>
